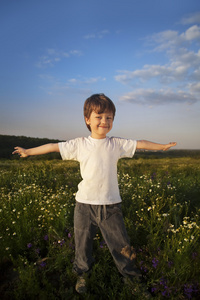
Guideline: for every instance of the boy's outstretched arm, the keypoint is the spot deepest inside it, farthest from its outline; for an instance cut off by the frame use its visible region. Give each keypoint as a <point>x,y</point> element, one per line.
<point>48,148</point>
<point>146,145</point>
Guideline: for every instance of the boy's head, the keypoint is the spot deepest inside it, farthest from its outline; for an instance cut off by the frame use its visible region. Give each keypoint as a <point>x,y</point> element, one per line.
<point>98,103</point>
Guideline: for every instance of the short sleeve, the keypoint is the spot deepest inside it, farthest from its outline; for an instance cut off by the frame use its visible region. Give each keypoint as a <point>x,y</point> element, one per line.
<point>127,147</point>
<point>69,149</point>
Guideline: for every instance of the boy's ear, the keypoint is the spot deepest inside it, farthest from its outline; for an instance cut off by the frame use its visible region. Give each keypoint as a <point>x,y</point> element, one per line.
<point>87,121</point>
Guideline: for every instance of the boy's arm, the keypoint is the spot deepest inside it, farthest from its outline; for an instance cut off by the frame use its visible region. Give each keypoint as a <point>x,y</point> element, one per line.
<point>146,145</point>
<point>48,148</point>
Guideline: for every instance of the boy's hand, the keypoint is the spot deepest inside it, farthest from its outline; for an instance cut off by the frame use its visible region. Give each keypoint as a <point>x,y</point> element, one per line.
<point>168,146</point>
<point>20,151</point>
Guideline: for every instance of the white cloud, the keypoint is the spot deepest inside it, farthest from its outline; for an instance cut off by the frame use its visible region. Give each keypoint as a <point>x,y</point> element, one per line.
<point>182,71</point>
<point>53,56</point>
<point>170,39</point>
<point>65,54</point>
<point>192,33</point>
<point>98,35</point>
<point>182,67</point>
<point>102,33</point>
<point>154,97</point>
<point>89,36</point>
<point>55,87</point>
<point>191,19</point>
<point>164,40</point>
<point>164,74</point>
<point>195,88</point>
<point>90,80</point>
<point>76,52</point>
<point>72,80</point>
<point>51,51</point>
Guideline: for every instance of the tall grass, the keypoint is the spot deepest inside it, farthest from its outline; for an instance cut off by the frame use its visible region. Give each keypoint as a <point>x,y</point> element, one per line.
<point>161,205</point>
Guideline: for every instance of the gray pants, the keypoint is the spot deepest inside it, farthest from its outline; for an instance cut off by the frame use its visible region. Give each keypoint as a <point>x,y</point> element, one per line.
<point>109,219</point>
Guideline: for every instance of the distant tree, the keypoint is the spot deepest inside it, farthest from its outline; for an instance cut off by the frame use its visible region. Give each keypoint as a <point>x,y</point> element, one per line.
<point>8,142</point>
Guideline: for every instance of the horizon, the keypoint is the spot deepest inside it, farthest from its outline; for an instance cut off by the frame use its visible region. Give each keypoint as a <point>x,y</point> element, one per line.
<point>145,56</point>
<point>60,140</point>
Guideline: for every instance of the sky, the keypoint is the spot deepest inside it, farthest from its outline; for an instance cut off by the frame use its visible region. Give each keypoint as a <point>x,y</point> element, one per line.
<point>143,54</point>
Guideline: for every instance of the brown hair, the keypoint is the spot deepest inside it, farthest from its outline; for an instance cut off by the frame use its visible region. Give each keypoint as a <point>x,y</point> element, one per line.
<point>98,103</point>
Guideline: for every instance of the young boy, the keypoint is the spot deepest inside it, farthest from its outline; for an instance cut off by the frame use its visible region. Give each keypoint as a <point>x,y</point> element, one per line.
<point>98,202</point>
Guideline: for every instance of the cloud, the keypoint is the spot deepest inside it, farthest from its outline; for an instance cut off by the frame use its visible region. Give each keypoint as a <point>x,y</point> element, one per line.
<point>164,74</point>
<point>55,87</point>
<point>175,81</point>
<point>183,66</point>
<point>98,35</point>
<point>90,80</point>
<point>153,97</point>
<point>171,39</point>
<point>53,56</point>
<point>89,36</point>
<point>195,88</point>
<point>76,53</point>
<point>191,19</point>
<point>192,33</point>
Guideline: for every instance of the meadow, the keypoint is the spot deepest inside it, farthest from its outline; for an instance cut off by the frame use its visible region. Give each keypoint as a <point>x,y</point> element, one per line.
<point>161,207</point>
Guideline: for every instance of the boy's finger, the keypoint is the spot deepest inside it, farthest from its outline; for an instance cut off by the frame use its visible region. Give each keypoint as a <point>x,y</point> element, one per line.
<point>16,150</point>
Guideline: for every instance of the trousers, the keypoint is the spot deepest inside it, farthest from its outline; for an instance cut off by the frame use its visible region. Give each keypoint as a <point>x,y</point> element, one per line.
<point>109,219</point>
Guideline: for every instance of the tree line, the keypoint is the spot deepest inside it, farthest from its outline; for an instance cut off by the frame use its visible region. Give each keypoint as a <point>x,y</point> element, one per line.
<point>8,142</point>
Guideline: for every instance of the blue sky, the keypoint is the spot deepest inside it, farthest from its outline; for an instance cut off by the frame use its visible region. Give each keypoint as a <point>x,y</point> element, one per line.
<point>144,55</point>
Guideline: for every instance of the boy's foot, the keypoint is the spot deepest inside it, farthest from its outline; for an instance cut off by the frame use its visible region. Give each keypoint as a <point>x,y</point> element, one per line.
<point>81,285</point>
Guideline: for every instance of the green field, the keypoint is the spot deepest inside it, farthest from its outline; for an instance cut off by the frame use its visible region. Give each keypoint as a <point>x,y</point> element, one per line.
<point>161,206</point>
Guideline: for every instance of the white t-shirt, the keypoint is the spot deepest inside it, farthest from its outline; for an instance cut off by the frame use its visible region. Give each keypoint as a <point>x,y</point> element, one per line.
<point>98,165</point>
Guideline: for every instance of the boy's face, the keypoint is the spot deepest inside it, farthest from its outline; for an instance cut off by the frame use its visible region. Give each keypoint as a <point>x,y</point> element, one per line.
<point>100,124</point>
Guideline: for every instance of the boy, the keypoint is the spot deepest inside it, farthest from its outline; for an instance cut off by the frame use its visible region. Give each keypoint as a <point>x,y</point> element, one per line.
<point>98,202</point>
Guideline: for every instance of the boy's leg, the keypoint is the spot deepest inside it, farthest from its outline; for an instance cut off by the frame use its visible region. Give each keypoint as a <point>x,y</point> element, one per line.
<point>115,235</point>
<point>84,231</point>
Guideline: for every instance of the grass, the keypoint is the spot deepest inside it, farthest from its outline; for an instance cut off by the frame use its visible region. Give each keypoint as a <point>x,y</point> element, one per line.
<point>161,212</point>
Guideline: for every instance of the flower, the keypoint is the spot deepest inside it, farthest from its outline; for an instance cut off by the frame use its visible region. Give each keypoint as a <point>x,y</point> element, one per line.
<point>29,245</point>
<point>194,255</point>
<point>170,264</point>
<point>102,244</point>
<point>43,264</point>
<point>142,267</point>
<point>155,262</point>
<point>61,242</point>
<point>188,289</point>
<point>165,215</point>
<point>46,237</point>
<point>37,250</point>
